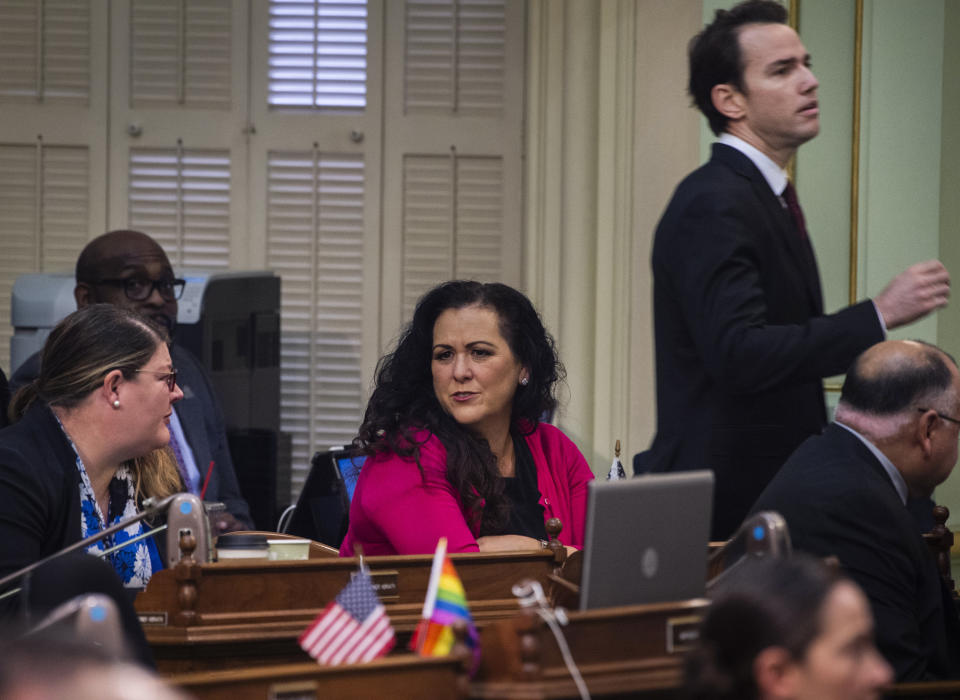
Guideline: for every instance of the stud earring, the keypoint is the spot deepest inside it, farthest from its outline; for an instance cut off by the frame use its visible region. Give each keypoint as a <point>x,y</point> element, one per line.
<point>116,403</point>
<point>524,381</point>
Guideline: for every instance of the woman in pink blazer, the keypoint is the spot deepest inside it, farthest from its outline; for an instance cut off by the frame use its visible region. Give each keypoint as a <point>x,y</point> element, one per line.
<point>453,435</point>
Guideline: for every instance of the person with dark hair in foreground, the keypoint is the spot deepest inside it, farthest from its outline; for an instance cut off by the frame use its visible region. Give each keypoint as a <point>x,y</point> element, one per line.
<point>845,494</point>
<point>742,341</point>
<point>453,433</point>
<point>786,629</point>
<point>65,580</point>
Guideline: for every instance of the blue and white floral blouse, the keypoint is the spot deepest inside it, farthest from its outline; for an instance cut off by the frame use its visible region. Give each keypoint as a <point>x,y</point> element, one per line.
<point>136,562</point>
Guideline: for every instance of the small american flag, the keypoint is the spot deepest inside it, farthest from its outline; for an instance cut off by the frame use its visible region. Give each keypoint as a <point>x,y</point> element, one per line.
<point>353,628</point>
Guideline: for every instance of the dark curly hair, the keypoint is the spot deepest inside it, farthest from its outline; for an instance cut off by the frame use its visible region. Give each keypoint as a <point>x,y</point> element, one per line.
<point>404,402</point>
<point>715,56</point>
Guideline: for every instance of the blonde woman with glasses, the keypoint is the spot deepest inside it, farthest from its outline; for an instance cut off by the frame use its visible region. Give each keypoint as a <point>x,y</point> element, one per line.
<point>87,443</point>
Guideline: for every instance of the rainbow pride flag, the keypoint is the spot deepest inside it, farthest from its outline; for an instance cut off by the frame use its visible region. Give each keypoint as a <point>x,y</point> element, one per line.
<point>445,605</point>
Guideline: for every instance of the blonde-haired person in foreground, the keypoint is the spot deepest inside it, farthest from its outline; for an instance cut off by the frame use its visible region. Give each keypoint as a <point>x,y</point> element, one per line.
<point>63,668</point>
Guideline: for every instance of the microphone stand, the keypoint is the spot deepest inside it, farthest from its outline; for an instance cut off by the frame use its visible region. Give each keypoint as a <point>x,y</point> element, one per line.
<point>150,509</point>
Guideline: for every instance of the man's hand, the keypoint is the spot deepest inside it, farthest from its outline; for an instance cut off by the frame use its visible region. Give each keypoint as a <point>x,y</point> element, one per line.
<point>224,522</point>
<point>914,293</point>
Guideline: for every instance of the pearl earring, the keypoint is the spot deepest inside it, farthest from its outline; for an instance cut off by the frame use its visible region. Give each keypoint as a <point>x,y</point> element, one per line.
<point>524,381</point>
<point>116,403</point>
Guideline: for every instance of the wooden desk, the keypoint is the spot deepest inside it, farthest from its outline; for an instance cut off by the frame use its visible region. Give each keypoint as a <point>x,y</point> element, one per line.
<point>633,651</point>
<point>620,651</point>
<point>401,677</point>
<point>236,613</point>
<point>948,690</point>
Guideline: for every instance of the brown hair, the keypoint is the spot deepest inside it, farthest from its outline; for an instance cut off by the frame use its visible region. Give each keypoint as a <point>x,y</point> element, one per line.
<point>715,56</point>
<point>763,603</point>
<point>80,351</point>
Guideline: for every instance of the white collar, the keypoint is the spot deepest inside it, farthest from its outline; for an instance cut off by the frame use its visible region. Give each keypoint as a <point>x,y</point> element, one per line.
<point>775,176</point>
<point>895,476</point>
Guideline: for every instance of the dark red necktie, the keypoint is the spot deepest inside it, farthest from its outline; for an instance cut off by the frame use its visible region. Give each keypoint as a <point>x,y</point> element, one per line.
<point>790,197</point>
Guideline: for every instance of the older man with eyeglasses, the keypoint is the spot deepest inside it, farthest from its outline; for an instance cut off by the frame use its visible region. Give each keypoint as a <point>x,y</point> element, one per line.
<point>129,269</point>
<point>846,493</point>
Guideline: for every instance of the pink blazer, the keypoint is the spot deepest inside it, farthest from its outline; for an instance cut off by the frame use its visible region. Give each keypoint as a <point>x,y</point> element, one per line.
<point>396,511</point>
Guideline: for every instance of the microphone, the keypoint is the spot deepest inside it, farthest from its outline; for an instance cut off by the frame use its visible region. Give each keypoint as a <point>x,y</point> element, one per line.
<point>54,598</point>
<point>184,514</point>
<point>92,618</point>
<point>764,534</point>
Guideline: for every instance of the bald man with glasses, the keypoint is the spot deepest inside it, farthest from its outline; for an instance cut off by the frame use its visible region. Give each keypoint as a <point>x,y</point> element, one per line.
<point>129,269</point>
<point>846,493</point>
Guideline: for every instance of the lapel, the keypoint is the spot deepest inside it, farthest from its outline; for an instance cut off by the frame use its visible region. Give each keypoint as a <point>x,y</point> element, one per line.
<point>53,435</point>
<point>796,250</point>
<point>190,411</point>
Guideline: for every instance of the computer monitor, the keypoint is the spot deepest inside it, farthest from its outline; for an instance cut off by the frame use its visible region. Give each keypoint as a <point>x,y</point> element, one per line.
<point>348,464</point>
<point>646,539</point>
<point>322,511</point>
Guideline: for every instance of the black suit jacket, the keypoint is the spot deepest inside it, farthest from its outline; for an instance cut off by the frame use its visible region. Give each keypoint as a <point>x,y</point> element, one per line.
<point>742,344</point>
<point>202,422</point>
<point>39,492</point>
<point>838,500</point>
<point>40,515</point>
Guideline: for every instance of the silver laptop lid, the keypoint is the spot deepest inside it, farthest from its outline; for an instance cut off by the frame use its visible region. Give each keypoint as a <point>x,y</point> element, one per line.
<point>646,539</point>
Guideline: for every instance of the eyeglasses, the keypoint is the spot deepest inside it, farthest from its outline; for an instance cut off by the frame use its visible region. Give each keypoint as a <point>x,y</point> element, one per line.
<point>940,415</point>
<point>171,376</point>
<point>139,289</point>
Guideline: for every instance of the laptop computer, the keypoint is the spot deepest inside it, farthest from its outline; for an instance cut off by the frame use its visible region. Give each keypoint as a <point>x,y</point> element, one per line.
<point>348,464</point>
<point>646,539</point>
<point>323,507</point>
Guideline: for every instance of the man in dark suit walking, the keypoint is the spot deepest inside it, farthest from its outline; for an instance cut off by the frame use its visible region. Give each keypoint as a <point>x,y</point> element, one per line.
<point>845,494</point>
<point>742,343</point>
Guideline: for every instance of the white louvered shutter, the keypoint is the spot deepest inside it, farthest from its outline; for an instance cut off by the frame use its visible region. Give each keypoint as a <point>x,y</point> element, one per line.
<point>316,102</point>
<point>43,195</point>
<point>318,54</point>
<point>177,127</point>
<point>45,51</point>
<point>452,222</point>
<point>182,198</point>
<point>454,56</point>
<point>453,174</point>
<point>315,241</point>
<point>180,53</point>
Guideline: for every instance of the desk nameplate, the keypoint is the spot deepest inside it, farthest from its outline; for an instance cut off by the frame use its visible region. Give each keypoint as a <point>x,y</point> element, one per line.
<point>153,619</point>
<point>682,633</point>
<point>386,582</point>
<point>298,690</point>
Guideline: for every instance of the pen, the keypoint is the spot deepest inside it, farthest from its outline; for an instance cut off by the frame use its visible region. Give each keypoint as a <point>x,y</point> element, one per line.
<point>206,482</point>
